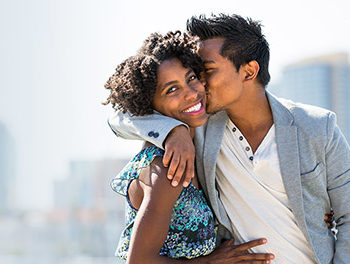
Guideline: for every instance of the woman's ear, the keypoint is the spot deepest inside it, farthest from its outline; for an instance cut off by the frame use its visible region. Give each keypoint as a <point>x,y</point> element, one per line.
<point>251,70</point>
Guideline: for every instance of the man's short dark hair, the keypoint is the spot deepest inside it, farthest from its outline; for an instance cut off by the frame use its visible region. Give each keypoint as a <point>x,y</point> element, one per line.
<point>243,43</point>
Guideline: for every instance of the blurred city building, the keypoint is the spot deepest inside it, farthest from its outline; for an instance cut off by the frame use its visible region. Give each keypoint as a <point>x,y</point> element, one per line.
<point>7,170</point>
<point>85,224</point>
<point>93,213</point>
<point>322,81</point>
<point>83,227</point>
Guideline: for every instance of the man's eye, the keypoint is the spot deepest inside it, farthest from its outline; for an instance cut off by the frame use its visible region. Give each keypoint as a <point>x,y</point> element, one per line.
<point>171,90</point>
<point>206,70</point>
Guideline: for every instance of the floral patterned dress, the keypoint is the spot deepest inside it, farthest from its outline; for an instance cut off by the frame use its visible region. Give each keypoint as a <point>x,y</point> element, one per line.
<point>191,232</point>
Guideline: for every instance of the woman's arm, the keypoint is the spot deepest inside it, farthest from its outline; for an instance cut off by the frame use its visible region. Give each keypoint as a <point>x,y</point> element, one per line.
<point>153,219</point>
<point>152,222</point>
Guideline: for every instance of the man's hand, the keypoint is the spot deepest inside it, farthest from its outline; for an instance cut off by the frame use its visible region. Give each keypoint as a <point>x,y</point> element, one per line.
<point>179,155</point>
<point>230,253</point>
<point>328,218</point>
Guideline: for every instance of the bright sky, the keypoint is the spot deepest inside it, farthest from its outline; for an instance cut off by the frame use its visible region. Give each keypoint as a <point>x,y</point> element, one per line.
<point>57,55</point>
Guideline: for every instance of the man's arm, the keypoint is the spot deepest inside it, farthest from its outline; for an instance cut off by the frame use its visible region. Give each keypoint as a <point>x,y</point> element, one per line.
<point>338,174</point>
<point>164,132</point>
<point>152,128</point>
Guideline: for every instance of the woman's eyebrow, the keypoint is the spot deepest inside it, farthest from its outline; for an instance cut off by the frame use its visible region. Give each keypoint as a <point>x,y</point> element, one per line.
<point>167,84</point>
<point>173,82</point>
<point>189,72</point>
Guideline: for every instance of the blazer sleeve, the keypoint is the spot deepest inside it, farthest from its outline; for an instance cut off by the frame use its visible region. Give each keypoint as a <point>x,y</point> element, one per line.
<point>338,176</point>
<point>153,128</point>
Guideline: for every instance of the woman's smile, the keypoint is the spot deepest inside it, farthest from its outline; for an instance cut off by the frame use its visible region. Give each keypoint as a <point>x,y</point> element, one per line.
<point>195,109</point>
<point>180,94</point>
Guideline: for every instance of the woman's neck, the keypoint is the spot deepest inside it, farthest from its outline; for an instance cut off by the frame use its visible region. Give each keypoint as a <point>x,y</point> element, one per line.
<point>192,131</point>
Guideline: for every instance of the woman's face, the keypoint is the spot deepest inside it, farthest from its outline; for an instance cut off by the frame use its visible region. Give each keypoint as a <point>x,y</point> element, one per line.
<point>179,93</point>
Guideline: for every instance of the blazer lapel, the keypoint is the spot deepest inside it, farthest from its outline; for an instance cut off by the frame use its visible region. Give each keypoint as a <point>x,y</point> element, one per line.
<point>212,144</point>
<point>288,152</point>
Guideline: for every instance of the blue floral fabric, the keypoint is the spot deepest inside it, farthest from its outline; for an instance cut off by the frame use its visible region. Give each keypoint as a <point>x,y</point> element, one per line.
<point>191,232</point>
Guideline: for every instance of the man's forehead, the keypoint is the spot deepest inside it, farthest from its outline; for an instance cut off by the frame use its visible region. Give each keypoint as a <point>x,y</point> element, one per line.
<point>212,43</point>
<point>210,49</point>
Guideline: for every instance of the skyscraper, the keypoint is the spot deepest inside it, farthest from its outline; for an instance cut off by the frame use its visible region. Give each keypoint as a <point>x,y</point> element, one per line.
<point>94,213</point>
<point>7,169</point>
<point>322,81</point>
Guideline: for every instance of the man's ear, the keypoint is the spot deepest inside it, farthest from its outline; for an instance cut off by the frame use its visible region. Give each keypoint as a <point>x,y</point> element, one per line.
<point>251,70</point>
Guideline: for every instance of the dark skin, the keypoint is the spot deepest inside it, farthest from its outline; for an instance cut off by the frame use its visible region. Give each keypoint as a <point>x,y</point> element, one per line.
<point>152,194</point>
<point>239,94</point>
<point>328,218</point>
<point>153,218</point>
<point>178,157</point>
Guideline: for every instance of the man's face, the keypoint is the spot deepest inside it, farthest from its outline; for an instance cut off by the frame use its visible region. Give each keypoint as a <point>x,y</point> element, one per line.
<point>224,83</point>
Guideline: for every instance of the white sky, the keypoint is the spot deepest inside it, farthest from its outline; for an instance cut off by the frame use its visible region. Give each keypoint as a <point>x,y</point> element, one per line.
<point>57,55</point>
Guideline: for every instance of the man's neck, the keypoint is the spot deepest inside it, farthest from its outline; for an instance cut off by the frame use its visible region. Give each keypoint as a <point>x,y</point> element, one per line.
<point>253,117</point>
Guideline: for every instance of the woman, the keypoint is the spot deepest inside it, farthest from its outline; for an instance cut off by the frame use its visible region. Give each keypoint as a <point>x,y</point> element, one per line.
<point>164,77</point>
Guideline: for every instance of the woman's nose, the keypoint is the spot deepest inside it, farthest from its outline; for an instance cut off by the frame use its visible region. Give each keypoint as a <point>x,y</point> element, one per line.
<point>191,93</point>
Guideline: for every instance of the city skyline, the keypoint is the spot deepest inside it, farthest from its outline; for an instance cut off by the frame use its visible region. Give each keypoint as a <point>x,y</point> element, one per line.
<point>83,226</point>
<point>57,153</point>
<point>7,169</point>
<point>87,216</point>
<point>322,81</point>
<point>56,57</point>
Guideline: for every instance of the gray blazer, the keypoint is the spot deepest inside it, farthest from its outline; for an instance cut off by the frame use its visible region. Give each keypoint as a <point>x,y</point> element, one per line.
<point>314,160</point>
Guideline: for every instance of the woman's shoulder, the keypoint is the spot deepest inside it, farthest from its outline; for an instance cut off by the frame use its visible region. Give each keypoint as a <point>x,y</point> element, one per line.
<point>133,169</point>
<point>154,180</point>
<point>146,156</point>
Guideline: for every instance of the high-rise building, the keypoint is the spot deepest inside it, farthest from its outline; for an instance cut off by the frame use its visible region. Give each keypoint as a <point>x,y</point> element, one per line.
<point>7,169</point>
<point>87,185</point>
<point>93,214</point>
<point>322,81</point>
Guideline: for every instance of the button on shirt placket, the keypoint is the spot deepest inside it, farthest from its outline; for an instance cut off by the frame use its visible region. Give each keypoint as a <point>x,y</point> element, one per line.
<point>259,182</point>
<point>244,144</point>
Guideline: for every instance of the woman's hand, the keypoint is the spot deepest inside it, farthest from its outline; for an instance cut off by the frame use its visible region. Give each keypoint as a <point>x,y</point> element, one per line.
<point>230,253</point>
<point>179,156</point>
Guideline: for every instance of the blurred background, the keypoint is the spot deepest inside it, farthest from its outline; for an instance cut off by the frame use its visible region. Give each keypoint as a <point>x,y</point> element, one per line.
<point>57,153</point>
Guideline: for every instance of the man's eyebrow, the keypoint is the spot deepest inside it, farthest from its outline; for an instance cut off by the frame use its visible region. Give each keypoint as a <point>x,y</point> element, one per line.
<point>208,61</point>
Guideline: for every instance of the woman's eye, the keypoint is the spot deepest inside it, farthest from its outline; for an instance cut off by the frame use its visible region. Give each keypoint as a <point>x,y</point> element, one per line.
<point>192,77</point>
<point>171,89</point>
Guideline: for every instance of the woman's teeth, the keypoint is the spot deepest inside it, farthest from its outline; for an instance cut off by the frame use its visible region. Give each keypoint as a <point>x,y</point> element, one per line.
<point>194,108</point>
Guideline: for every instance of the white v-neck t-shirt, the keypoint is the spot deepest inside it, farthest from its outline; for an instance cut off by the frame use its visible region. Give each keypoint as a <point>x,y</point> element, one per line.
<point>252,191</point>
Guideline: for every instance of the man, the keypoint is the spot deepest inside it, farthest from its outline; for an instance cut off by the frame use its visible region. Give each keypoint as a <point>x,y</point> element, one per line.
<point>270,167</point>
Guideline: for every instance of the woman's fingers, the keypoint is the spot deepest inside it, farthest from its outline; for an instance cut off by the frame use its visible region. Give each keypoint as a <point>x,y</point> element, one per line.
<point>181,165</point>
<point>175,160</point>
<point>189,172</point>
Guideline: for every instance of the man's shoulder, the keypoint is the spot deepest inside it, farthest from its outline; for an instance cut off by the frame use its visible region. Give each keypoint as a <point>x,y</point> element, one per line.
<point>312,121</point>
<point>305,113</point>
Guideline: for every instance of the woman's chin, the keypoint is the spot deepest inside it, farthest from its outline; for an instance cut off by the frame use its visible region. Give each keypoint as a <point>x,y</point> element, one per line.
<point>197,123</point>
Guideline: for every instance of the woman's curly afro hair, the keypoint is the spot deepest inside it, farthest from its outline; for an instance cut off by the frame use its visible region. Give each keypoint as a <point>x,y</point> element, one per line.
<point>133,85</point>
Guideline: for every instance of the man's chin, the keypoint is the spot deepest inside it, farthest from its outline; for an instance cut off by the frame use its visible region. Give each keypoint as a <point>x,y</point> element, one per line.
<point>211,109</point>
